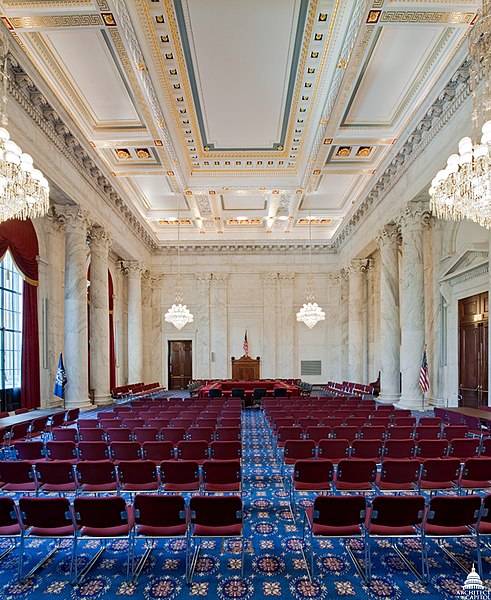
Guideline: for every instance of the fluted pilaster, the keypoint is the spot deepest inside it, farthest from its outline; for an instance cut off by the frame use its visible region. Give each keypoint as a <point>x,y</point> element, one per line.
<point>133,270</point>
<point>268,366</point>
<point>357,272</point>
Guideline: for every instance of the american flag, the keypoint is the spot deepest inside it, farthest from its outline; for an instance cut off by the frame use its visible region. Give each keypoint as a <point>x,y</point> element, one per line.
<point>246,345</point>
<point>424,382</point>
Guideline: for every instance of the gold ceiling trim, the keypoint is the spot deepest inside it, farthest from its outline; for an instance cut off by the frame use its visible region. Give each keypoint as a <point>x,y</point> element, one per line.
<point>57,21</point>
<point>45,4</point>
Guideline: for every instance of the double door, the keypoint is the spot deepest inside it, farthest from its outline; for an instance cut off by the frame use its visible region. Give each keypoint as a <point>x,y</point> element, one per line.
<point>473,351</point>
<point>180,367</point>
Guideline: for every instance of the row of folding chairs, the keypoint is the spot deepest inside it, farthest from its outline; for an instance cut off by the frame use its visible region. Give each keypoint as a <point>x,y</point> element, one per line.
<point>397,517</point>
<point>144,434</point>
<point>151,517</point>
<point>281,430</point>
<point>90,477</point>
<point>159,422</point>
<point>198,450</point>
<point>332,420</point>
<point>394,476</point>
<point>338,448</point>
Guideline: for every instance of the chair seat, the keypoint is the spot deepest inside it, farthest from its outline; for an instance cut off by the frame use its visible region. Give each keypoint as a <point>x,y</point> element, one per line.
<point>103,487</point>
<point>105,532</point>
<point>438,530</point>
<point>150,531</point>
<point>347,485</point>
<point>134,487</point>
<point>303,486</point>
<point>222,487</point>
<point>225,531</point>
<point>19,487</point>
<point>485,528</point>
<point>437,485</point>
<point>330,530</point>
<point>388,485</point>
<point>52,532</point>
<point>8,530</point>
<point>59,487</point>
<point>182,487</point>
<point>386,531</point>
<point>472,483</point>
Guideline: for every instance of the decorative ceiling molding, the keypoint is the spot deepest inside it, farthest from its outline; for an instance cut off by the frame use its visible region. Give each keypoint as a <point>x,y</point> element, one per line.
<point>24,91</point>
<point>435,118</point>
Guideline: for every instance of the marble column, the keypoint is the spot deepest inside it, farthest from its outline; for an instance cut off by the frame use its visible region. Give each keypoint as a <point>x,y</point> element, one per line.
<point>152,302</point>
<point>99,315</point>
<point>343,320</point>
<point>133,270</point>
<point>268,360</point>
<point>202,321</point>
<point>285,367</point>
<point>333,330</point>
<point>412,304</point>
<point>219,345</point>
<point>357,271</point>
<point>390,337</point>
<point>75,308</point>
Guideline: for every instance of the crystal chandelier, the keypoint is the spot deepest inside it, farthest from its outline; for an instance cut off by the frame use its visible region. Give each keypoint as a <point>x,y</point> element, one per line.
<point>310,313</point>
<point>24,191</point>
<point>463,189</point>
<point>179,314</point>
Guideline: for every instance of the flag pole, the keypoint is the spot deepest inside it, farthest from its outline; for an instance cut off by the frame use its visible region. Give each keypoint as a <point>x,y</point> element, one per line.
<point>422,390</point>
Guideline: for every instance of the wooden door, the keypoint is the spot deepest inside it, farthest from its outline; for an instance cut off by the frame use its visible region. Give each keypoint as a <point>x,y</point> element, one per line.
<point>473,350</point>
<point>180,367</point>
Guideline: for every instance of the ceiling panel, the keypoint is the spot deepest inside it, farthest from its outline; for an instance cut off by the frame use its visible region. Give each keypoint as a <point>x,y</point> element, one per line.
<point>243,202</point>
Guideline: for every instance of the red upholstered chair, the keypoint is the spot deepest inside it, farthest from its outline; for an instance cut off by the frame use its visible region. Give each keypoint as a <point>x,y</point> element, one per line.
<point>399,432</point>
<point>138,476</point>
<point>158,517</point>
<point>430,421</point>
<point>317,432</point>
<point>483,528</point>
<point>222,476</point>
<point>17,476</point>
<point>427,432</point>
<point>355,475</point>
<point>455,431</point>
<point>215,517</point>
<point>133,422</point>
<point>88,423</point>
<point>404,422</point>
<point>93,451</point>
<point>310,476</point>
<point>200,433</point>
<point>298,450</point>
<point>464,448</point>
<point>398,517</point>
<point>341,517</point>
<point>71,417</point>
<point>118,434</point>
<point>64,434</point>
<point>439,474</point>
<point>158,451</point>
<point>125,451</point>
<point>146,434</point>
<point>158,422</point>
<point>31,451</point>
<point>345,432</point>
<point>172,434</point>
<point>225,450</point>
<point>399,448</point>
<point>367,448</point>
<point>180,476</point>
<point>43,518</point>
<point>398,475</point>
<point>55,476</point>
<point>9,524</point>
<point>372,432</point>
<point>431,449</point>
<point>111,424</point>
<point>196,450</point>
<point>475,474</point>
<point>91,434</point>
<point>451,516</point>
<point>96,477</point>
<point>333,449</point>
<point>227,434</point>
<point>100,519</point>
<point>62,451</point>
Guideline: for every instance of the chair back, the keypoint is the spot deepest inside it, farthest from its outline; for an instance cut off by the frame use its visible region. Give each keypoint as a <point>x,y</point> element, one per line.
<point>313,471</point>
<point>215,511</point>
<point>100,513</point>
<point>453,511</point>
<point>397,511</point>
<point>45,513</point>
<point>154,510</point>
<point>339,511</point>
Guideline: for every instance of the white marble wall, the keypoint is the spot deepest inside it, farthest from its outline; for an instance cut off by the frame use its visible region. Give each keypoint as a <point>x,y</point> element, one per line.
<point>219,327</point>
<point>135,321</point>
<point>202,352</point>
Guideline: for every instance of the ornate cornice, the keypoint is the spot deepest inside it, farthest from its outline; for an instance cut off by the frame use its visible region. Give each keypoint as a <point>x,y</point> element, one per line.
<point>24,91</point>
<point>245,248</point>
<point>436,117</point>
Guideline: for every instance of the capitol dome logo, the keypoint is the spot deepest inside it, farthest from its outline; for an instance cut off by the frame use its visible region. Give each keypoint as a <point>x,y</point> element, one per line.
<point>473,587</point>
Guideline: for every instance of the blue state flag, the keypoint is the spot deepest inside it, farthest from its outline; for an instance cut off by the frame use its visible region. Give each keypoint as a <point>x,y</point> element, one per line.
<point>61,379</point>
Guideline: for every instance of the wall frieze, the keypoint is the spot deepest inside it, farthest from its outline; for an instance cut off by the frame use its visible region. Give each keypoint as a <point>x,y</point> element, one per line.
<point>246,248</point>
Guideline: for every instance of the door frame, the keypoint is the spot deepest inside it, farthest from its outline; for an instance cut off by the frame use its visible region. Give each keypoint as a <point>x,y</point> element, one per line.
<point>177,336</point>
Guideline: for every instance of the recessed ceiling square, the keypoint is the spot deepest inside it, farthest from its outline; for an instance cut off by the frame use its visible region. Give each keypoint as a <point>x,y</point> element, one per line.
<point>243,202</point>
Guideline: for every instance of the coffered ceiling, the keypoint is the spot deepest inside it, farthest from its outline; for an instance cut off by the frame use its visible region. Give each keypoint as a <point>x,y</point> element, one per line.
<point>242,119</point>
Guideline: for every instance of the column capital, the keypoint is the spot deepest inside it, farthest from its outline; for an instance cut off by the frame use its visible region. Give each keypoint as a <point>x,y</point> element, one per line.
<point>132,268</point>
<point>334,277</point>
<point>74,218</point>
<point>286,279</point>
<point>203,278</point>
<point>153,279</point>
<point>414,216</point>
<point>389,234</point>
<point>269,279</point>
<point>359,266</point>
<point>220,279</point>
<point>99,238</point>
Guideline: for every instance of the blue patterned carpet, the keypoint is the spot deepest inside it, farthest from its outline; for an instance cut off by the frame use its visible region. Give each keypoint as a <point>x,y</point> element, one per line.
<point>274,565</point>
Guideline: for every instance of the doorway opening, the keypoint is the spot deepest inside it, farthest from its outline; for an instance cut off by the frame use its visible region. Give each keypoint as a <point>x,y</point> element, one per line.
<point>180,364</point>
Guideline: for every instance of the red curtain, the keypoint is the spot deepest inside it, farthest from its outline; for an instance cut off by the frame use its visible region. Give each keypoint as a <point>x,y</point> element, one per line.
<point>112,353</point>
<point>20,238</point>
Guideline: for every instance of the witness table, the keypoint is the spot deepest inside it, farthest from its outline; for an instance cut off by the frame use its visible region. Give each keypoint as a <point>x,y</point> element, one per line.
<point>29,416</point>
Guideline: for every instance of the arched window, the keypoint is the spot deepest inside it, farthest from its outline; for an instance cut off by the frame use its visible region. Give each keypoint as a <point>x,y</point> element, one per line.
<point>10,331</point>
